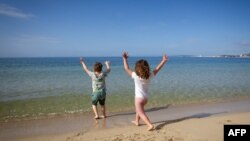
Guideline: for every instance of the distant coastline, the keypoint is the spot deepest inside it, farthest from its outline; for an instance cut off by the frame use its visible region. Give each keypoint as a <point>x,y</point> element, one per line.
<point>247,55</point>
<point>236,56</point>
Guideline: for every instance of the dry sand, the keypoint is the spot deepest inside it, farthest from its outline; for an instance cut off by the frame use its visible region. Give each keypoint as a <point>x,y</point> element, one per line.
<point>195,129</point>
<point>173,123</point>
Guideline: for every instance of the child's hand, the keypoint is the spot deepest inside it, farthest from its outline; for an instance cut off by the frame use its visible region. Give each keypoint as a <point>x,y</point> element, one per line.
<point>165,58</point>
<point>125,55</point>
<point>81,59</point>
<point>107,63</point>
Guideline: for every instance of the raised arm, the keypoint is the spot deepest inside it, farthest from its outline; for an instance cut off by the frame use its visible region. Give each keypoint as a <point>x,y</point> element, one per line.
<point>125,62</point>
<point>161,64</point>
<point>84,66</point>
<point>107,63</point>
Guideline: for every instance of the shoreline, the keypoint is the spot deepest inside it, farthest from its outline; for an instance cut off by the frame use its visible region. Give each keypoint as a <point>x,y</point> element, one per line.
<point>70,126</point>
<point>129,108</point>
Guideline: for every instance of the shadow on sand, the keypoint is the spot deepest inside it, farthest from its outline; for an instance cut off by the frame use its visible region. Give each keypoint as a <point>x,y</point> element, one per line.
<point>166,122</point>
<point>147,110</point>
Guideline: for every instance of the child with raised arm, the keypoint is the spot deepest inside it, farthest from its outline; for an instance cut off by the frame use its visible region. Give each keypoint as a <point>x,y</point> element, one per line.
<point>142,77</point>
<point>98,85</point>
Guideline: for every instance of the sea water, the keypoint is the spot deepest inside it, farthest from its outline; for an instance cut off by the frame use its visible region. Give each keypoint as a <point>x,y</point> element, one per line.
<point>40,87</point>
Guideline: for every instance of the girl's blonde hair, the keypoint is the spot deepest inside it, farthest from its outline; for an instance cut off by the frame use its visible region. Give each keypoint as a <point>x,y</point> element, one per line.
<point>142,69</point>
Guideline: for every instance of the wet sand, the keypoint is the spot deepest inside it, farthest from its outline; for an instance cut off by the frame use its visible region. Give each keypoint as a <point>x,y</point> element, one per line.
<point>182,122</point>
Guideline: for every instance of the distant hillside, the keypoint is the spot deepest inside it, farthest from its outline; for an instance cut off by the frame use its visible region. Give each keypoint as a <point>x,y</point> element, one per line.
<point>236,56</point>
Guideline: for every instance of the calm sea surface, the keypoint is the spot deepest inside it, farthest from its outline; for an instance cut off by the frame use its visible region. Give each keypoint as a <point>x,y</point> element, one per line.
<point>34,87</point>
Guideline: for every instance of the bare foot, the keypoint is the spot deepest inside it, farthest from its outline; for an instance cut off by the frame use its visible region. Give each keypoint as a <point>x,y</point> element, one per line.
<point>135,123</point>
<point>103,116</point>
<point>151,128</point>
<point>96,117</point>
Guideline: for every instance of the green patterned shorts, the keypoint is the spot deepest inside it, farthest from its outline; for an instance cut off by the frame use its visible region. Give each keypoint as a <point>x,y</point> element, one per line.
<point>98,96</point>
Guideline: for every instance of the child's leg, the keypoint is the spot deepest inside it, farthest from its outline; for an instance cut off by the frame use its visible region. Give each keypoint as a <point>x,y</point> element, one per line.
<point>94,99</point>
<point>103,111</point>
<point>139,104</point>
<point>95,111</point>
<point>137,119</point>
<point>102,100</point>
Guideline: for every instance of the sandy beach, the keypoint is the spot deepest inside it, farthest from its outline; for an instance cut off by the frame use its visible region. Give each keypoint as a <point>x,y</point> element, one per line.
<point>183,63</point>
<point>196,122</point>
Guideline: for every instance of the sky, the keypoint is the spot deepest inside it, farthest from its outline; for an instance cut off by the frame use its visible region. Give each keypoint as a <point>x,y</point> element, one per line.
<point>71,28</point>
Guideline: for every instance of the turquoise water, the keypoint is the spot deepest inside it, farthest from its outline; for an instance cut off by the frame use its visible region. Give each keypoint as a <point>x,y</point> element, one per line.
<point>33,87</point>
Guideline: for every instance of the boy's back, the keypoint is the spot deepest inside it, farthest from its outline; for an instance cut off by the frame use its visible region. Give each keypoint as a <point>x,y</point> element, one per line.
<point>98,82</point>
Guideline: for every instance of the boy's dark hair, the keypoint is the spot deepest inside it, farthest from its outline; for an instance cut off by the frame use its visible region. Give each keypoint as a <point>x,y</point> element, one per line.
<point>142,69</point>
<point>97,67</point>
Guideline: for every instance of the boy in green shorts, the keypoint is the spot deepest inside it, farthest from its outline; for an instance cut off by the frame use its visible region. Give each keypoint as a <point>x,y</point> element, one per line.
<point>98,85</point>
